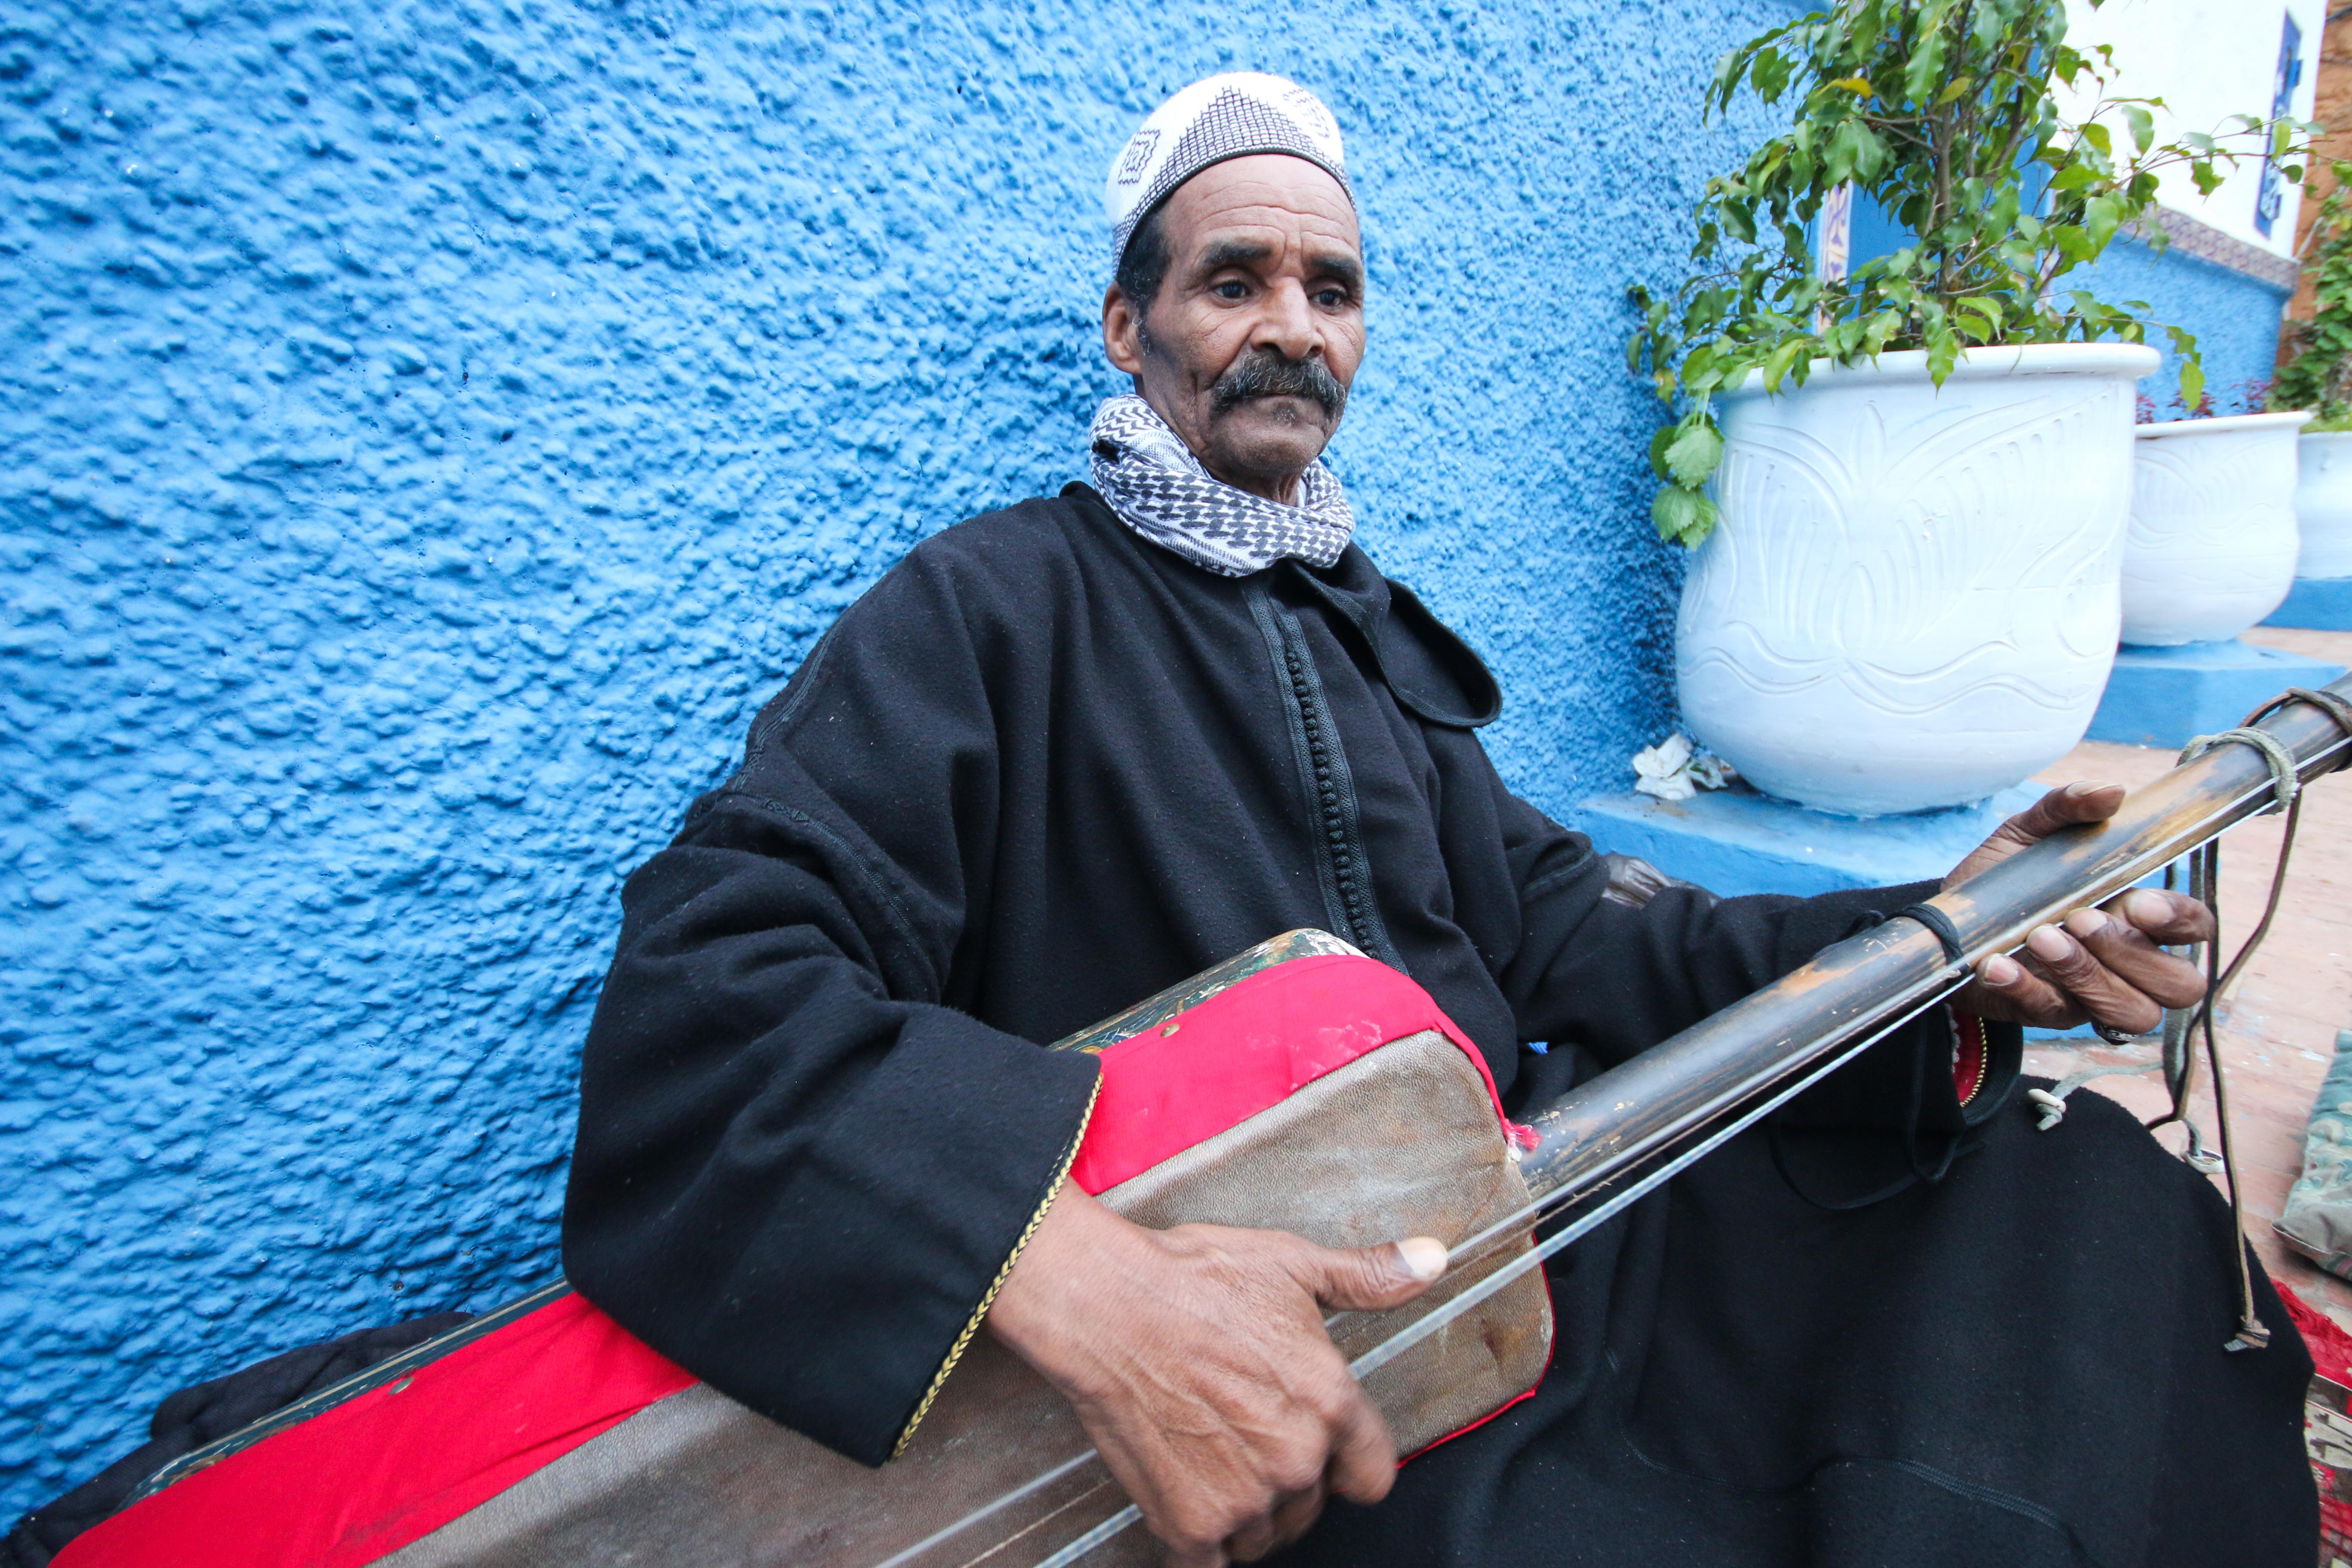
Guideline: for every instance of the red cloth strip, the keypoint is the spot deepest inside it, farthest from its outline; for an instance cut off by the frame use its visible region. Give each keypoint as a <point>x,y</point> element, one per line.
<point>367,1477</point>
<point>1248,1047</point>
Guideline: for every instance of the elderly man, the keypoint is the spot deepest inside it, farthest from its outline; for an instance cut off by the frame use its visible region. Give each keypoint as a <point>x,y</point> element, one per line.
<point>1066,754</point>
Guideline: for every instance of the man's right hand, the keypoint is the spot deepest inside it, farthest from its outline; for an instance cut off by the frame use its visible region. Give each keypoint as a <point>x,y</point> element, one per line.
<point>1197,1359</point>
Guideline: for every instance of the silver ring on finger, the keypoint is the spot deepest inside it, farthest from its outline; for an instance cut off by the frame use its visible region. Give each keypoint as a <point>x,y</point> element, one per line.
<point>2114,1035</point>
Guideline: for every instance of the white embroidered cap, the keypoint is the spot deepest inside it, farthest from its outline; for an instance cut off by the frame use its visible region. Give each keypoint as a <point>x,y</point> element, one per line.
<point>1217,118</point>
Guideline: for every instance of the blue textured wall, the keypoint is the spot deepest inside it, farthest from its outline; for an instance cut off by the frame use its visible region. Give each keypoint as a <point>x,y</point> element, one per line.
<point>2235,318</point>
<point>431,429</point>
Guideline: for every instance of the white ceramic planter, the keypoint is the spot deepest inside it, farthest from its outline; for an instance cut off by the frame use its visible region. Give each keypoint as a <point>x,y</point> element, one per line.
<point>2323,504</point>
<point>2212,540</point>
<point>1911,600</point>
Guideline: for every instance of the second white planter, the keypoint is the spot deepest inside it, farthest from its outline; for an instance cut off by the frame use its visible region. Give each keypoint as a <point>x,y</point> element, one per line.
<point>1911,600</point>
<point>2213,534</point>
<point>2323,504</point>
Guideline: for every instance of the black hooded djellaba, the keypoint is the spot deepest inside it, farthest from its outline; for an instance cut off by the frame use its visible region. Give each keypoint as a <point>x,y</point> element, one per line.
<point>1046,768</point>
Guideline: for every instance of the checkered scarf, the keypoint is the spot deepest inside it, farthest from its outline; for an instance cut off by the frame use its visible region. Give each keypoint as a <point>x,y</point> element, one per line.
<point>1159,489</point>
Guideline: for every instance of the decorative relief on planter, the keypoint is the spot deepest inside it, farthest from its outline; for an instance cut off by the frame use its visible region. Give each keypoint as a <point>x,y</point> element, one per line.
<point>2212,540</point>
<point>1911,601</point>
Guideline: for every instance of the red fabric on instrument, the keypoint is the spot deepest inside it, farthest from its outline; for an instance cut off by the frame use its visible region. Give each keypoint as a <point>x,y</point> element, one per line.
<point>2330,1346</point>
<point>367,1477</point>
<point>2331,1358</point>
<point>1250,1047</point>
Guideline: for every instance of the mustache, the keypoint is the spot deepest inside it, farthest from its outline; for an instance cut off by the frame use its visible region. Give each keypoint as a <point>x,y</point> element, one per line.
<point>1267,374</point>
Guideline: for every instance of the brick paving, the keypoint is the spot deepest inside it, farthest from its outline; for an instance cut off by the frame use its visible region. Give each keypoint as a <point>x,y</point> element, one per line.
<point>2278,1027</point>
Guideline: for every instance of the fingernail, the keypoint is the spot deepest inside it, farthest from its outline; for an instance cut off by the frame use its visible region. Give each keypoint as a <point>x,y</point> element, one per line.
<point>2086,922</point>
<point>1424,1256</point>
<point>2049,942</point>
<point>2000,971</point>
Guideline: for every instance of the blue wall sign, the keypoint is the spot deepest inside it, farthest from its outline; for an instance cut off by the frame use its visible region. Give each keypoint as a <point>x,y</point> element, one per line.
<point>2271,200</point>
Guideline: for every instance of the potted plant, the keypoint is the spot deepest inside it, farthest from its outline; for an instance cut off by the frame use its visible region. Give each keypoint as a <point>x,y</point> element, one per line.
<point>1907,488</point>
<point>2319,378</point>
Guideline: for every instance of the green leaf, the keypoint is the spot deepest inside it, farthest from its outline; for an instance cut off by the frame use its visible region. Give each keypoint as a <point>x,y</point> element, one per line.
<point>1979,319</point>
<point>2192,384</point>
<point>1837,160</point>
<point>1693,455</point>
<point>2100,216</point>
<point>2096,135</point>
<point>1682,517</point>
<point>2143,126</point>
<point>1777,364</point>
<point>1943,352</point>
<point>1658,444</point>
<point>2208,182</point>
<point>1926,65</point>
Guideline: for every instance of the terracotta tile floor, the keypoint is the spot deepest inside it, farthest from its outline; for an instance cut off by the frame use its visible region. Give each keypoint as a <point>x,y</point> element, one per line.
<point>2279,1025</point>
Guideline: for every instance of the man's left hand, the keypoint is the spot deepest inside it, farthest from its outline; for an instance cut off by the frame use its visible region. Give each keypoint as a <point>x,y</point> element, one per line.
<point>2106,966</point>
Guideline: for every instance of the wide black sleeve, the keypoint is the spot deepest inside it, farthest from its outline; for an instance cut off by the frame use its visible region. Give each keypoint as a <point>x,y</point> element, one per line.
<point>798,1175</point>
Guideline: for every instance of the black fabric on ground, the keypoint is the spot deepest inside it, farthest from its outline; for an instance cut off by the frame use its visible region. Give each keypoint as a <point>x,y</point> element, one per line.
<point>207,1412</point>
<point>1040,771</point>
<point>2018,1366</point>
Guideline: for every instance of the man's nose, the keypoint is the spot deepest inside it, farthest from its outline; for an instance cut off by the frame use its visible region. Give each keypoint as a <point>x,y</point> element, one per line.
<point>1287,324</point>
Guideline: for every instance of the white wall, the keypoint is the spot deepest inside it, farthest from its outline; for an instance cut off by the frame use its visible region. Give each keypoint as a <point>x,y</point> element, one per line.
<point>2208,60</point>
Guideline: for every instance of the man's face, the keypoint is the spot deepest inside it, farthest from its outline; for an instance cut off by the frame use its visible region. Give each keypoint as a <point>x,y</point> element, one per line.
<point>1259,326</point>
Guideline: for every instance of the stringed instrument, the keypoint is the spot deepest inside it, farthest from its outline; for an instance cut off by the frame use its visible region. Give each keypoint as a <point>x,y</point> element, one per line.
<point>1301,1086</point>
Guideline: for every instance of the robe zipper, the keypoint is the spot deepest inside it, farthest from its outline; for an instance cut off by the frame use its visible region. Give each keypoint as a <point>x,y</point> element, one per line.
<point>1342,868</point>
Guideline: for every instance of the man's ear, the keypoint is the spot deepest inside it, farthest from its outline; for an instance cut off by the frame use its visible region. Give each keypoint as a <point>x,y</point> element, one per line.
<point>1122,332</point>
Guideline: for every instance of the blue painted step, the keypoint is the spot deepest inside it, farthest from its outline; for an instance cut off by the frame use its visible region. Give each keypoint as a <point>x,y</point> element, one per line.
<point>1737,841</point>
<point>2316,603</point>
<point>2168,696</point>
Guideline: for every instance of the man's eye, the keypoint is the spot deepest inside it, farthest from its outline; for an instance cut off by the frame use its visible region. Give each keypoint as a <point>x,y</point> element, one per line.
<point>1229,290</point>
<point>1331,299</point>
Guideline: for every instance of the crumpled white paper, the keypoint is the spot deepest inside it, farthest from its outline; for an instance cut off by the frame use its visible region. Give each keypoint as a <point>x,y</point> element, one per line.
<point>1675,769</point>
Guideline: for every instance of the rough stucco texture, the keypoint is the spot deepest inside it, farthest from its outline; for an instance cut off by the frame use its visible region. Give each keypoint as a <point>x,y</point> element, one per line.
<point>2235,318</point>
<point>431,429</point>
